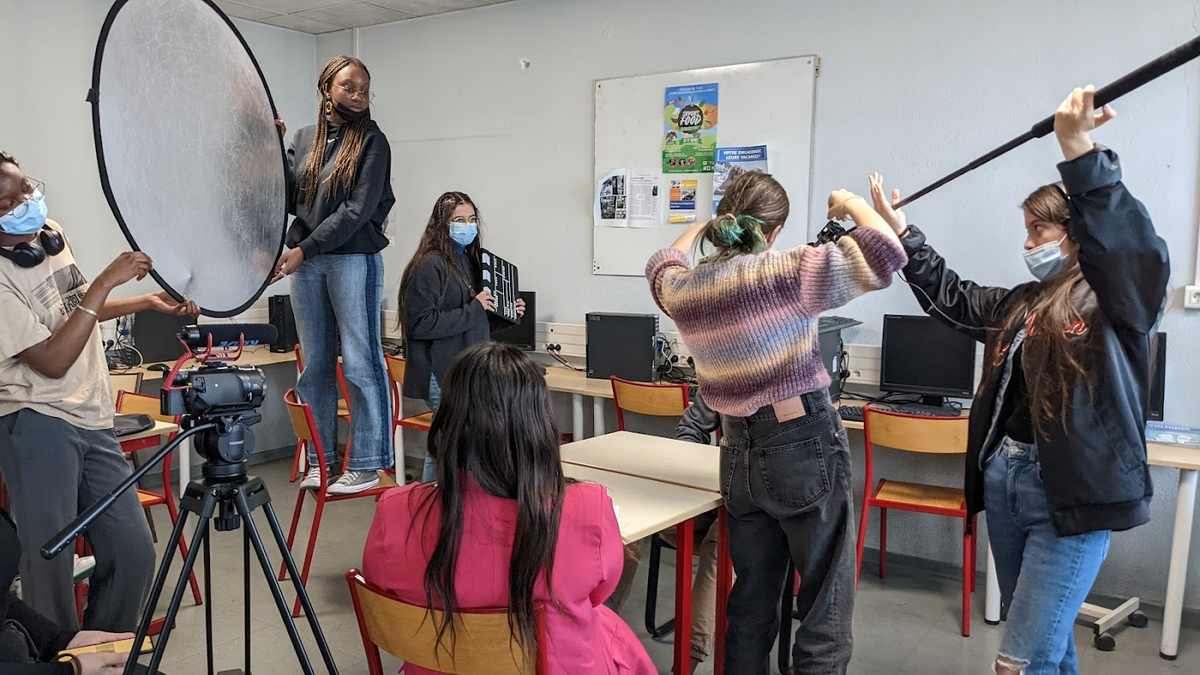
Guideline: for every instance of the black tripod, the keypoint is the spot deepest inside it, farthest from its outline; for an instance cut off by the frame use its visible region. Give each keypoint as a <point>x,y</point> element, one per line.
<point>225,496</point>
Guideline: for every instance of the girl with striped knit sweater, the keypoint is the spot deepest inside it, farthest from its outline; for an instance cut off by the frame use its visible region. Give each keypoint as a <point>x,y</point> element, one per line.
<point>748,314</point>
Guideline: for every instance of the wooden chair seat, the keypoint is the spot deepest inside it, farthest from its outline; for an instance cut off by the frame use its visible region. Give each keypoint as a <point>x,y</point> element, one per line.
<point>898,493</point>
<point>420,422</point>
<point>147,498</point>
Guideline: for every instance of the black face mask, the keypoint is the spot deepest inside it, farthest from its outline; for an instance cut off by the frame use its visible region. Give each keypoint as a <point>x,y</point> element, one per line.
<point>348,114</point>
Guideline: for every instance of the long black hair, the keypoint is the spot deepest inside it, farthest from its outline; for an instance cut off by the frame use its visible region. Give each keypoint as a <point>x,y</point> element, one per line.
<point>436,241</point>
<point>495,427</point>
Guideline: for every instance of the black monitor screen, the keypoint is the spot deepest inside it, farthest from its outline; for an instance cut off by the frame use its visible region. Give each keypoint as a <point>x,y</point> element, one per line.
<point>922,356</point>
<point>1158,377</point>
<point>524,334</point>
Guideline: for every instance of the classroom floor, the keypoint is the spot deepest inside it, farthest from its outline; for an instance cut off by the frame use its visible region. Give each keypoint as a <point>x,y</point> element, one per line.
<point>908,624</point>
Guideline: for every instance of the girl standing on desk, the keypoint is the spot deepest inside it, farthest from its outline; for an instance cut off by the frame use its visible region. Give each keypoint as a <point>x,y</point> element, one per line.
<point>440,311</point>
<point>340,190</point>
<point>749,315</point>
<point>1056,454</point>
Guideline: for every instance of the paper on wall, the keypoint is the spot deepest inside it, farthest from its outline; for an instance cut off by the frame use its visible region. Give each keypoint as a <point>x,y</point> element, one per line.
<point>611,208</point>
<point>731,162</point>
<point>645,186</point>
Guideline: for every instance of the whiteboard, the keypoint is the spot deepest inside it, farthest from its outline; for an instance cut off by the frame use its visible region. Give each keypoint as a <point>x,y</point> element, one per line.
<point>767,102</point>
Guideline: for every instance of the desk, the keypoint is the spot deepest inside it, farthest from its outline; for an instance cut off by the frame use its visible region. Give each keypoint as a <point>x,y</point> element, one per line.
<point>578,385</point>
<point>1187,460</point>
<point>257,356</point>
<point>647,506</point>
<point>148,438</point>
<point>670,463</point>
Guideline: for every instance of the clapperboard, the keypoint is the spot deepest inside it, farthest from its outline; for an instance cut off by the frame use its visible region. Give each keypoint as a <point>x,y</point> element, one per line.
<point>499,277</point>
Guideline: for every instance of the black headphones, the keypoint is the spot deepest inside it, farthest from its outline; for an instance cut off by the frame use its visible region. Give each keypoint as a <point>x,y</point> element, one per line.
<point>26,255</point>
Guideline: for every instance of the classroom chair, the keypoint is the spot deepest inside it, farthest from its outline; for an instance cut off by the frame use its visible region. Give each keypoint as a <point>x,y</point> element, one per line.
<point>130,403</point>
<point>422,422</point>
<point>929,435</point>
<point>654,400</point>
<point>300,461</point>
<point>409,632</point>
<point>306,431</point>
<point>124,382</point>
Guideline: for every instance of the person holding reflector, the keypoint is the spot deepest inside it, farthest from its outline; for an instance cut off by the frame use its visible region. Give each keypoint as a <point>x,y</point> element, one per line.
<point>57,448</point>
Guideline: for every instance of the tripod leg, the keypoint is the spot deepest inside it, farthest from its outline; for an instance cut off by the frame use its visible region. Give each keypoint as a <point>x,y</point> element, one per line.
<point>246,590</point>
<point>160,580</point>
<point>243,508</point>
<point>208,623</point>
<point>198,540</point>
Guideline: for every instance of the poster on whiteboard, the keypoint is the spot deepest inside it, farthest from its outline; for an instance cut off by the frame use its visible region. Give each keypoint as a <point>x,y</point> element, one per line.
<point>690,129</point>
<point>611,208</point>
<point>733,161</point>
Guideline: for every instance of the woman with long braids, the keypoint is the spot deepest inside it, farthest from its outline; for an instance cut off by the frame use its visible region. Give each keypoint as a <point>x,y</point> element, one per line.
<point>1056,453</point>
<point>340,191</point>
<point>502,526</point>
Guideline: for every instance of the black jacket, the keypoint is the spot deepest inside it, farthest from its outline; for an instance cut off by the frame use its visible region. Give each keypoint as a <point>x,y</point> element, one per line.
<point>442,318</point>
<point>48,638</point>
<point>698,423</point>
<point>1094,464</point>
<point>341,222</point>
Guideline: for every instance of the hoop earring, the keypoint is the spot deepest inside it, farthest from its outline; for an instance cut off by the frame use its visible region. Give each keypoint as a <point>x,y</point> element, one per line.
<point>328,106</point>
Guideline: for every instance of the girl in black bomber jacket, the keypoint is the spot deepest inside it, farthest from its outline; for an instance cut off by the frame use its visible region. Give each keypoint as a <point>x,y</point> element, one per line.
<point>1056,451</point>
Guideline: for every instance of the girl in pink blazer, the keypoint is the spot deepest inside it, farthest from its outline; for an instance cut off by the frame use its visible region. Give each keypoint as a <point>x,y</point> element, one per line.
<point>503,527</point>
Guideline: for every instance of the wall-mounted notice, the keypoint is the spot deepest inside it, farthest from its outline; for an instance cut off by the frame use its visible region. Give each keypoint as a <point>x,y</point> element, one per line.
<point>645,188</point>
<point>690,129</point>
<point>731,162</point>
<point>683,194</point>
<point>611,208</point>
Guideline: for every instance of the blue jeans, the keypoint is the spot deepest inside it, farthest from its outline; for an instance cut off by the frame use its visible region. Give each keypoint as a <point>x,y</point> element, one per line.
<point>341,295</point>
<point>428,473</point>
<point>1044,578</point>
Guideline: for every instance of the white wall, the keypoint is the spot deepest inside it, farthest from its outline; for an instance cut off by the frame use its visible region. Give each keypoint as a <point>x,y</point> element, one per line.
<point>912,89</point>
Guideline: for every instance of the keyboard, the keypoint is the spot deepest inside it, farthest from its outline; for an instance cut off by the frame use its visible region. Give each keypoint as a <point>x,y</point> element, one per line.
<point>827,324</point>
<point>851,413</point>
<point>926,411</point>
<point>499,277</point>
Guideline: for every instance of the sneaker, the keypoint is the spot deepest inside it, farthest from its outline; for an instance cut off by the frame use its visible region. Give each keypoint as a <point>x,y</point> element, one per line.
<point>84,565</point>
<point>312,479</point>
<point>353,482</point>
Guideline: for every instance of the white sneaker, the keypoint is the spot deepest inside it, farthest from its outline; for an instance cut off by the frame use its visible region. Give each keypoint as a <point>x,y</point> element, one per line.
<point>312,479</point>
<point>353,482</point>
<point>84,565</point>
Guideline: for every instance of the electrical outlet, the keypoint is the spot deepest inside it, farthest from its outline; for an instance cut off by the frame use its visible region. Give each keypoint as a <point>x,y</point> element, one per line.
<point>1191,297</point>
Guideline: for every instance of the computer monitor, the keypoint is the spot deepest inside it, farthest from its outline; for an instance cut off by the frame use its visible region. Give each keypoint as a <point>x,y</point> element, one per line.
<point>1158,377</point>
<point>922,356</point>
<point>523,334</point>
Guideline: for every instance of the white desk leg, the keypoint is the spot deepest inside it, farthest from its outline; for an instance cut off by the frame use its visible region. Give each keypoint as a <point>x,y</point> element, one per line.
<point>1185,507</point>
<point>577,417</point>
<point>185,465</point>
<point>991,601</point>
<point>597,416</point>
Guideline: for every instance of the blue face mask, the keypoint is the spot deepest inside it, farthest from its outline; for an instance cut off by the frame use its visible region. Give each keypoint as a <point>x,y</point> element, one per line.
<point>27,217</point>
<point>463,233</point>
<point>1046,261</point>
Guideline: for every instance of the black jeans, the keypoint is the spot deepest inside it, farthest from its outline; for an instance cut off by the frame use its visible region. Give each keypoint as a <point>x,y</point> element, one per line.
<point>787,489</point>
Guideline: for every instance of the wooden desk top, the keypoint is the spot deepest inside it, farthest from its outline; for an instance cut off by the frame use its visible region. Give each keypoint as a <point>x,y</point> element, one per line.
<point>1158,454</point>
<point>254,356</point>
<point>646,506</point>
<point>667,460</point>
<point>567,381</point>
<point>160,429</point>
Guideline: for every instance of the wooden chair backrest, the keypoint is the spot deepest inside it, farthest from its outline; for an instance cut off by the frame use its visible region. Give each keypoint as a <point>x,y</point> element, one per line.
<point>483,641</point>
<point>912,433</point>
<point>395,367</point>
<point>657,400</point>
<point>124,382</point>
<point>133,403</point>
<point>301,416</point>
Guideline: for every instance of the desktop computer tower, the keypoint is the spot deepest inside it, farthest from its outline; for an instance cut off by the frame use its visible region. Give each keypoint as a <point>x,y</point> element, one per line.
<point>155,335</point>
<point>621,345</point>
<point>833,351</point>
<point>279,314</point>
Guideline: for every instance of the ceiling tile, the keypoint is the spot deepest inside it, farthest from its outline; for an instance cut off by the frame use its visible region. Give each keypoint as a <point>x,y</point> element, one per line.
<point>292,6</point>
<point>355,15</point>
<point>429,7</point>
<point>300,23</point>
<point>244,11</point>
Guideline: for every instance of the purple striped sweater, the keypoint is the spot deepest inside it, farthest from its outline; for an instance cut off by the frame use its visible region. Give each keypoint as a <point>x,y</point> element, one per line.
<point>751,322</point>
